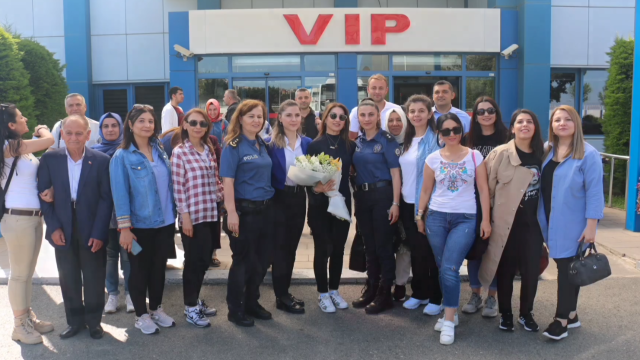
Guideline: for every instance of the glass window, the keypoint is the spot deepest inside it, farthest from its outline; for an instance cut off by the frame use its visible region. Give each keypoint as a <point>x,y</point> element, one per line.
<point>561,93</point>
<point>479,86</point>
<point>373,62</point>
<point>481,63</point>
<point>320,63</point>
<point>323,91</point>
<point>427,62</point>
<point>266,63</point>
<point>213,65</point>
<point>405,86</point>
<point>593,88</point>
<point>212,89</point>
<point>363,81</point>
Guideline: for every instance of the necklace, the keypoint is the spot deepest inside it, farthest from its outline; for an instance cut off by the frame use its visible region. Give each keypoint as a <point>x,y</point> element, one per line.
<point>331,144</point>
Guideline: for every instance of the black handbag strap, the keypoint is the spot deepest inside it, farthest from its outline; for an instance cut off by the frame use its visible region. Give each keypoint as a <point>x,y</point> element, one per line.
<point>13,168</point>
<point>582,251</point>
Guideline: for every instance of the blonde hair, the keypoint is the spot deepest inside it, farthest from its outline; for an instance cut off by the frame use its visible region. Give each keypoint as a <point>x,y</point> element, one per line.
<point>372,104</point>
<point>277,138</point>
<point>577,143</point>
<point>245,107</point>
<point>378,77</point>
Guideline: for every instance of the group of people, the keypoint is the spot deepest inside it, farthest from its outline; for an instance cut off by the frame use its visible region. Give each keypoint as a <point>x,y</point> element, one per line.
<point>431,185</point>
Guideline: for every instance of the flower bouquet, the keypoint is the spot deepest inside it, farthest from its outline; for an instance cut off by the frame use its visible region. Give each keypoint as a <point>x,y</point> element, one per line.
<point>311,169</point>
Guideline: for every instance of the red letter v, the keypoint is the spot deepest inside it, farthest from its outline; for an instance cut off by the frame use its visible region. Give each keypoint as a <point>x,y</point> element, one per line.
<point>316,32</point>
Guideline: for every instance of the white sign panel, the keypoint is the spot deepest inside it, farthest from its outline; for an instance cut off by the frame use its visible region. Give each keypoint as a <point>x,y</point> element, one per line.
<point>344,30</point>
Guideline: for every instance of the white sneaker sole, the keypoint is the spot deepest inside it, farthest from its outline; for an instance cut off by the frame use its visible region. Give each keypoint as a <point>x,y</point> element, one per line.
<point>487,314</point>
<point>110,311</point>
<point>156,331</point>
<point>328,311</point>
<point>447,340</point>
<point>417,305</point>
<point>208,324</point>
<point>433,312</point>
<point>467,311</point>
<point>557,338</point>
<point>164,325</point>
<point>574,326</point>
<point>130,310</point>
<point>526,328</point>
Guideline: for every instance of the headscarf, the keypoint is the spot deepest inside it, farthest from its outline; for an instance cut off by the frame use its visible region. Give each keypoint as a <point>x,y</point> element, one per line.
<point>403,118</point>
<point>106,146</point>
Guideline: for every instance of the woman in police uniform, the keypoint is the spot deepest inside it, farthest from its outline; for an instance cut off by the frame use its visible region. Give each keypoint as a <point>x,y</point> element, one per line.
<point>377,197</point>
<point>245,168</point>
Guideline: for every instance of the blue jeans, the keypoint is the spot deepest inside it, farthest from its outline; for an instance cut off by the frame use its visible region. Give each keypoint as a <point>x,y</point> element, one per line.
<point>473,267</point>
<point>451,236</point>
<point>115,251</point>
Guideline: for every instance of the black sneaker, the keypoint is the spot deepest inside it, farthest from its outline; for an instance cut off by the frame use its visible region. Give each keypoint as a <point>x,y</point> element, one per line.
<point>556,331</point>
<point>528,322</point>
<point>574,323</point>
<point>506,322</point>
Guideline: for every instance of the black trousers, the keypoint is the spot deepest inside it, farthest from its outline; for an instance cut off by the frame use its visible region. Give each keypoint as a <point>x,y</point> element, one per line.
<point>148,267</point>
<point>78,266</point>
<point>251,255</point>
<point>425,283</point>
<point>567,292</point>
<point>290,209</point>
<point>329,238</point>
<point>198,251</point>
<point>522,253</point>
<point>372,213</point>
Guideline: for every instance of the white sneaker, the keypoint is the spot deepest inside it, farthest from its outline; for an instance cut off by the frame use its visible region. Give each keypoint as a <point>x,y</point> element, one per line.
<point>112,304</point>
<point>432,309</point>
<point>326,304</point>
<point>196,317</point>
<point>130,307</point>
<point>413,303</point>
<point>490,307</point>
<point>206,310</point>
<point>161,318</point>
<point>447,334</point>
<point>146,325</point>
<point>337,300</point>
<point>441,322</point>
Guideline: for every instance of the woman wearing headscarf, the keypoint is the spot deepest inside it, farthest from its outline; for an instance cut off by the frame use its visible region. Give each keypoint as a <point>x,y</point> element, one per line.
<point>218,124</point>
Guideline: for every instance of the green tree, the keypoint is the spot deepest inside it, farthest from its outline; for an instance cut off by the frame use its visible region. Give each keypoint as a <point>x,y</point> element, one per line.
<point>48,86</point>
<point>616,124</point>
<point>14,79</point>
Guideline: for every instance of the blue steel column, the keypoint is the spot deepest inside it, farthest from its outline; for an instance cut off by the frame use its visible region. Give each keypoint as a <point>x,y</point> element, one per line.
<point>77,44</point>
<point>347,79</point>
<point>182,73</point>
<point>633,220</point>
<point>508,69</point>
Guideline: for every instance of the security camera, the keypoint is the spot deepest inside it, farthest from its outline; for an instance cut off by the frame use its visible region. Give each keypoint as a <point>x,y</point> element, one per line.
<point>509,51</point>
<point>186,53</point>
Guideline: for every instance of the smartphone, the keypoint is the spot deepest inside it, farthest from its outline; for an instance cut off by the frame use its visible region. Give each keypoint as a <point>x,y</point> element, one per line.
<point>135,248</point>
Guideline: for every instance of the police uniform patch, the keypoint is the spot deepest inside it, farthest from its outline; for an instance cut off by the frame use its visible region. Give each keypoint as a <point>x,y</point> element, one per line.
<point>234,142</point>
<point>377,148</point>
<point>398,152</point>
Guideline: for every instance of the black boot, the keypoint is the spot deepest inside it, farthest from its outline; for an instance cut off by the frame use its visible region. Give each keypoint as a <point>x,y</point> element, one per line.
<point>368,294</point>
<point>382,302</point>
<point>399,292</point>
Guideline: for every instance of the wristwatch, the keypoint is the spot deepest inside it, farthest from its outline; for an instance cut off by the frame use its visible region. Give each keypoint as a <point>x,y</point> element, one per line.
<point>419,216</point>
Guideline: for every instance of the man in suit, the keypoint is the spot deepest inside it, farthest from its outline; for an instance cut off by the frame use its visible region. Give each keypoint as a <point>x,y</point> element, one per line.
<point>78,223</point>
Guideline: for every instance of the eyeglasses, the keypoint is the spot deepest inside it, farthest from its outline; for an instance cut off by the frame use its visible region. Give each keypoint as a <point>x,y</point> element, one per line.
<point>334,116</point>
<point>194,123</point>
<point>447,132</point>
<point>489,111</point>
<point>143,106</point>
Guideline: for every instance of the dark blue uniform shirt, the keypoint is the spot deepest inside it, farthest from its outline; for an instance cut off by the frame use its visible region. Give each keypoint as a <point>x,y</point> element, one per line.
<point>251,168</point>
<point>374,158</point>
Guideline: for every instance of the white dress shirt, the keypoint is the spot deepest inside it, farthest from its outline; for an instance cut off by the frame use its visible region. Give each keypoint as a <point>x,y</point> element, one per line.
<point>290,156</point>
<point>75,168</point>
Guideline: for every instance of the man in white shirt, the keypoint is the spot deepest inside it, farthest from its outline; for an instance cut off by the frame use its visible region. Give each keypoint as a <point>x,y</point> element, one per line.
<point>172,113</point>
<point>443,94</point>
<point>378,88</point>
<point>75,104</point>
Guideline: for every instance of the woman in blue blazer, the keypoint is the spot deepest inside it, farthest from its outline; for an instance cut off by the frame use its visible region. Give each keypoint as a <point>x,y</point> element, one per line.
<point>290,200</point>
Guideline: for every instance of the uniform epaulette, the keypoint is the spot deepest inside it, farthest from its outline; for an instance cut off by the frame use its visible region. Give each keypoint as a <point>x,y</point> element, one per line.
<point>387,135</point>
<point>235,142</point>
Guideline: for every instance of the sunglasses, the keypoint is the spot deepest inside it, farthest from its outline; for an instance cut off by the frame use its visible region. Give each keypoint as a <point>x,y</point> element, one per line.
<point>489,111</point>
<point>143,106</point>
<point>447,132</point>
<point>342,117</point>
<point>194,123</point>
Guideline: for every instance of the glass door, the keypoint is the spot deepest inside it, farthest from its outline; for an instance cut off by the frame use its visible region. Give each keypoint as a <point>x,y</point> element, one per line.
<point>279,90</point>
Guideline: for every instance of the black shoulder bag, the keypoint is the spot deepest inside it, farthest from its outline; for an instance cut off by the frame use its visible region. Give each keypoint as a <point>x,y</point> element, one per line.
<point>589,269</point>
<point>6,186</point>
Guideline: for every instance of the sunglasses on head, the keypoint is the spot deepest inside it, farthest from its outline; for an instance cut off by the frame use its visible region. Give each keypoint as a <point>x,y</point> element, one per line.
<point>447,132</point>
<point>143,106</point>
<point>489,111</point>
<point>194,123</point>
<point>342,117</point>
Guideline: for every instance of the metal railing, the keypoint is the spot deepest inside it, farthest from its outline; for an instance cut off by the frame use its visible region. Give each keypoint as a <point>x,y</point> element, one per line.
<point>611,174</point>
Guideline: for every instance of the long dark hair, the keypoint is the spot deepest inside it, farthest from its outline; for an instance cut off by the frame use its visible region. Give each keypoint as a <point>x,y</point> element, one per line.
<point>442,119</point>
<point>501,131</point>
<point>537,145</point>
<point>184,134</point>
<point>410,133</point>
<point>8,114</point>
<point>131,119</point>
<point>344,133</point>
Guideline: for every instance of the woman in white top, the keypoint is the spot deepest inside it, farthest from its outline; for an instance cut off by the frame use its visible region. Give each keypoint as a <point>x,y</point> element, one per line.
<point>22,222</point>
<point>451,219</point>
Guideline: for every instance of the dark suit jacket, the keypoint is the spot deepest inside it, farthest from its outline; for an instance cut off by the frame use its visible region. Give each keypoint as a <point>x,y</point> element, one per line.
<point>279,162</point>
<point>94,203</point>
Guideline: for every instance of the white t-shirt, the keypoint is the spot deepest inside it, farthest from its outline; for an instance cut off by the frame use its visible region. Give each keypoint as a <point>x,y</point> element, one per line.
<point>169,117</point>
<point>355,124</point>
<point>408,166</point>
<point>94,139</point>
<point>23,189</point>
<point>454,192</point>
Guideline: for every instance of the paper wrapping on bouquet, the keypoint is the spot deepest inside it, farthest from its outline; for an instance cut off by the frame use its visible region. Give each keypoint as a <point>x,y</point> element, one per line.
<point>337,205</point>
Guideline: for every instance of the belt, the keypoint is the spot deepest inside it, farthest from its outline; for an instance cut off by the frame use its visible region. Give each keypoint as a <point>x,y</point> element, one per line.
<point>23,212</point>
<point>255,204</point>
<point>379,184</point>
<point>293,189</point>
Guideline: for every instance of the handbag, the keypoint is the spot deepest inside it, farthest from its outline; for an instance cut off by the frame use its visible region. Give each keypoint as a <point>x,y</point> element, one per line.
<point>544,259</point>
<point>480,245</point>
<point>589,269</point>
<point>358,257</point>
<point>6,186</point>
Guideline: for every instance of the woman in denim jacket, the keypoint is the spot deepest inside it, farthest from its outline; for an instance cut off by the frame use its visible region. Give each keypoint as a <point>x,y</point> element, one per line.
<point>143,197</point>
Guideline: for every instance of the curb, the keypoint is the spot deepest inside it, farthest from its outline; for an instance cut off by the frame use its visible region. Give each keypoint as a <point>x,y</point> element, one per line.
<point>621,255</point>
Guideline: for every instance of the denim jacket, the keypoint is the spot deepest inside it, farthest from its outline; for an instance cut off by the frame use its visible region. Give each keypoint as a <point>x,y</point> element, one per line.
<point>427,145</point>
<point>135,192</point>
